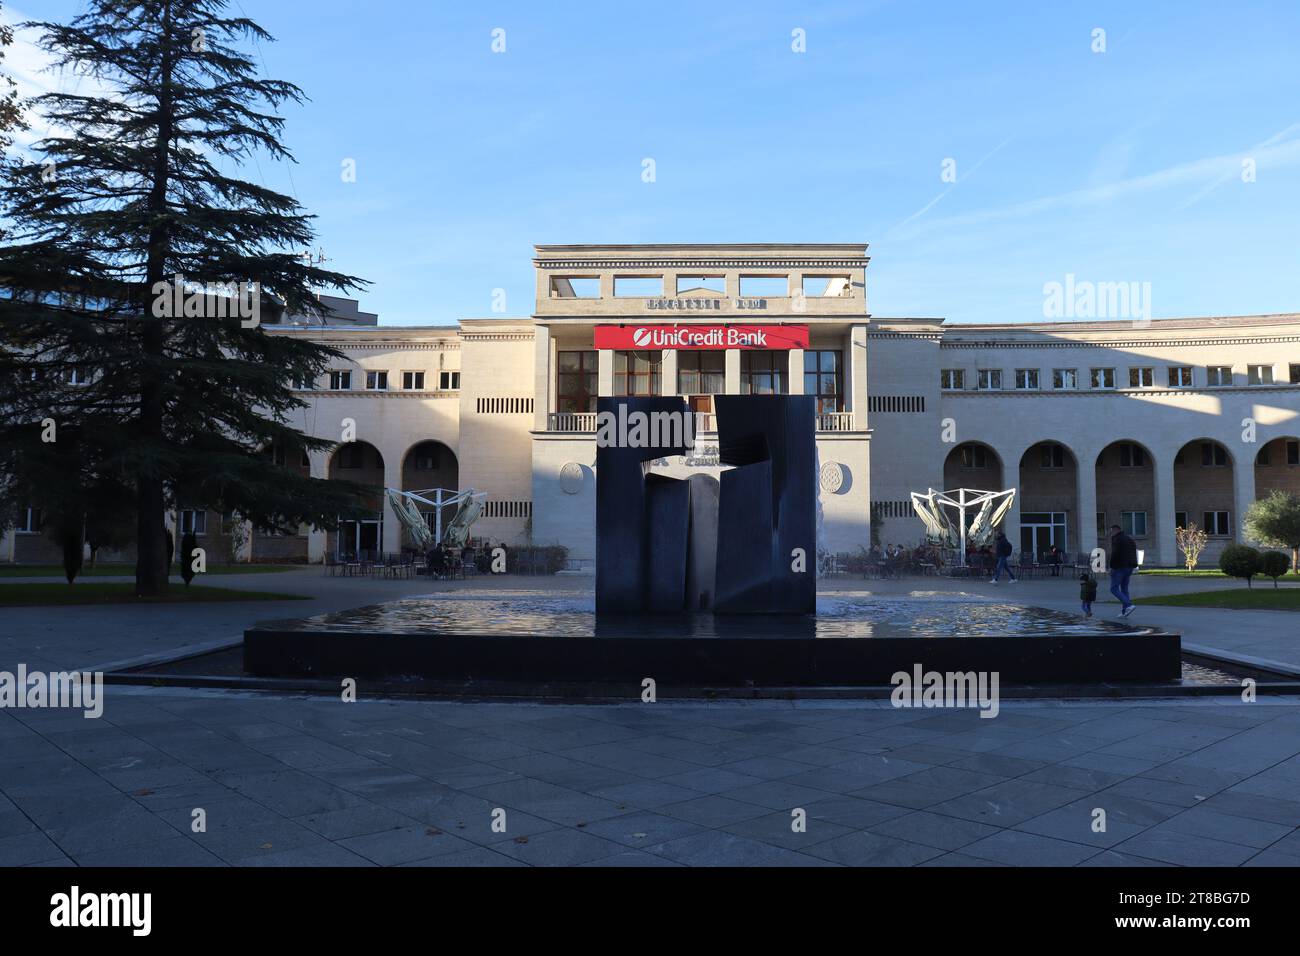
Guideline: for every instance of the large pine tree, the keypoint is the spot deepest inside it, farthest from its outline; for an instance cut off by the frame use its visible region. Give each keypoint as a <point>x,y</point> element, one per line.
<point>139,184</point>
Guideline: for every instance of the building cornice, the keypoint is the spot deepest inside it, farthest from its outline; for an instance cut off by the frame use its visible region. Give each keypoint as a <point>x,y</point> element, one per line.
<point>1124,392</point>
<point>1121,343</point>
<point>376,393</point>
<point>705,262</point>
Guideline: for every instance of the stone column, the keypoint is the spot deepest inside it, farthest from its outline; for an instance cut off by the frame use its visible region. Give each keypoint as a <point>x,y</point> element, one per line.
<point>1086,500</point>
<point>317,539</point>
<point>855,385</point>
<point>392,538</point>
<point>245,555</point>
<point>605,372</point>
<point>1243,488</point>
<point>795,372</point>
<point>1166,547</point>
<point>732,367</point>
<point>543,392</point>
<point>1011,520</point>
<point>668,373</point>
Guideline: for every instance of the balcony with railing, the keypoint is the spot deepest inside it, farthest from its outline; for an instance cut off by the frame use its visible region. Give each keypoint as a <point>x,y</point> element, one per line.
<point>705,422</point>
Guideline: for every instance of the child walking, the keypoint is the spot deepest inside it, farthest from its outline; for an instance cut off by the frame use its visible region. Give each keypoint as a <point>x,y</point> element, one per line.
<point>1087,592</point>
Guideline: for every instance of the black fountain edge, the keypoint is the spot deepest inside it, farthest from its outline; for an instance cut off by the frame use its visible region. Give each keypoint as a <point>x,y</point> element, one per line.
<point>157,674</point>
<point>288,649</point>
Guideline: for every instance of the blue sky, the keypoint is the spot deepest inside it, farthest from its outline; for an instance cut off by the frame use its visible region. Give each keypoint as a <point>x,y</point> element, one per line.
<point>1116,166</point>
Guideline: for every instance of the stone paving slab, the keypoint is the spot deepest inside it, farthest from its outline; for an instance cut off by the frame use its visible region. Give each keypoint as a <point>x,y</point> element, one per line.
<point>294,781</point>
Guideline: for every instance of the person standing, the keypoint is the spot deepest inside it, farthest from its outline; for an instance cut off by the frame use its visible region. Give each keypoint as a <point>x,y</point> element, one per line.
<point>1003,551</point>
<point>1087,592</point>
<point>1123,562</point>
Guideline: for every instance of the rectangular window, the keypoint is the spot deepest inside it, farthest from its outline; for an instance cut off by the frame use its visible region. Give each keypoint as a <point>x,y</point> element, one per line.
<point>1141,377</point>
<point>575,287</point>
<point>646,287</point>
<point>989,379</point>
<point>377,381</point>
<point>764,372</point>
<point>1216,523</point>
<point>1131,455</point>
<point>1101,377</point>
<point>78,375</point>
<point>764,287</point>
<point>974,456</point>
<point>1134,523</point>
<point>952,378</point>
<point>1213,455</point>
<point>1218,375</point>
<point>823,376</point>
<point>448,381</point>
<point>1027,378</point>
<point>340,380</point>
<point>1259,374</point>
<point>1180,376</point>
<point>413,381</point>
<point>1294,370</point>
<point>1065,378</point>
<point>1102,530</point>
<point>1180,519</point>
<point>1293,453</point>
<point>826,287</point>
<point>576,381</point>
<point>194,521</point>
<point>1053,456</point>
<point>637,373</point>
<point>29,521</point>
<point>701,284</point>
<point>701,374</point>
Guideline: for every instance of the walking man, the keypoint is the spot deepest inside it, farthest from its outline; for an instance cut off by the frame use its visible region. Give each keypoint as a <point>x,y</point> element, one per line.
<point>1004,554</point>
<point>1123,562</point>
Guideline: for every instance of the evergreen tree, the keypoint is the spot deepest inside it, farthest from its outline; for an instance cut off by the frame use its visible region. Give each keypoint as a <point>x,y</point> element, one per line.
<point>178,392</point>
<point>10,116</point>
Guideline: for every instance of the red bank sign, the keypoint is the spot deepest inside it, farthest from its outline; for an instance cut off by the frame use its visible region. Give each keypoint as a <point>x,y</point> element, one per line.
<point>629,336</point>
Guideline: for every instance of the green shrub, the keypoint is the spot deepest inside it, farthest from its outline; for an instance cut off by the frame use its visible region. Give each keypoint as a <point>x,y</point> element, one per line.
<point>1239,561</point>
<point>1274,564</point>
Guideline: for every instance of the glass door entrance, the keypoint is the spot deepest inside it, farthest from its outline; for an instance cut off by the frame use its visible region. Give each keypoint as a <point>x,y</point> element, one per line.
<point>1040,531</point>
<point>360,540</point>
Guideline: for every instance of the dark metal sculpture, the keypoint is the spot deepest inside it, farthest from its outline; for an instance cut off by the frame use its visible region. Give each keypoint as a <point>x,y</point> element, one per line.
<point>767,521</point>
<point>642,520</point>
<point>758,530</point>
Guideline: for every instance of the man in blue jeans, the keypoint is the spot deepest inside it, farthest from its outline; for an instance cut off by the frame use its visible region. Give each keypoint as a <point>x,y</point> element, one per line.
<point>1123,562</point>
<point>1003,551</point>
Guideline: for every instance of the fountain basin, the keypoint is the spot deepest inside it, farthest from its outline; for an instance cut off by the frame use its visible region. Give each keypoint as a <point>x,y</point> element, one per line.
<point>851,642</point>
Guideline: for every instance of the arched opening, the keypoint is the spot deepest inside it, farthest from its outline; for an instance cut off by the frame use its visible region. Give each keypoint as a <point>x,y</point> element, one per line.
<point>429,466</point>
<point>1049,502</point>
<point>1126,493</point>
<point>1277,467</point>
<point>1204,494</point>
<point>362,537</point>
<point>973,464</point>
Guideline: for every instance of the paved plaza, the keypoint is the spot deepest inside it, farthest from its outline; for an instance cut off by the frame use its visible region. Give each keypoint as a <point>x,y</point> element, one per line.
<point>291,780</point>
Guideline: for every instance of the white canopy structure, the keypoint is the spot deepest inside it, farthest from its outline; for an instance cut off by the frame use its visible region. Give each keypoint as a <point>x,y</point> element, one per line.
<point>468,504</point>
<point>933,508</point>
